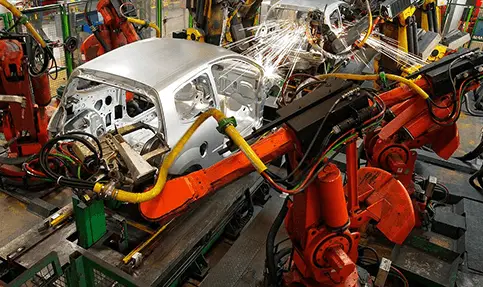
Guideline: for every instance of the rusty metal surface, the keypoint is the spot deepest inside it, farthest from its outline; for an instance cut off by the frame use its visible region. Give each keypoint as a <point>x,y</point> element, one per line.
<point>30,238</point>
<point>174,246</point>
<point>469,128</point>
<point>15,219</point>
<point>170,250</point>
<point>430,269</point>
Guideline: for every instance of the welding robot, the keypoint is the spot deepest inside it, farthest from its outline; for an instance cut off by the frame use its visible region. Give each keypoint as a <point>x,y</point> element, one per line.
<point>323,216</point>
<point>24,93</point>
<point>117,30</point>
<point>415,27</point>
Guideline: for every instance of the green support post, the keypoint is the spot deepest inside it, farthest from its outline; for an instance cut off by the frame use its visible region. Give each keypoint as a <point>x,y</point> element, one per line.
<point>90,221</point>
<point>78,275</point>
<point>190,21</point>
<point>64,12</point>
<point>6,20</point>
<point>159,15</point>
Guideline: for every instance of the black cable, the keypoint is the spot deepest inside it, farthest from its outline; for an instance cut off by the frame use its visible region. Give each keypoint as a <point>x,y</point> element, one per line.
<point>45,65</point>
<point>314,176</point>
<point>378,258</point>
<point>441,121</point>
<point>472,154</point>
<point>305,86</point>
<point>324,144</point>
<point>270,255</point>
<point>450,72</point>
<point>280,242</point>
<point>314,139</point>
<point>398,277</point>
<point>281,254</point>
<point>94,30</point>
<point>63,180</point>
<point>469,109</point>
<point>477,176</point>
<point>55,66</point>
<point>431,103</point>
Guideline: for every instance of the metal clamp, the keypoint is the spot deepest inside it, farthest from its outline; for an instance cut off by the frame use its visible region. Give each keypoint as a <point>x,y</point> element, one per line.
<point>108,190</point>
<point>224,123</point>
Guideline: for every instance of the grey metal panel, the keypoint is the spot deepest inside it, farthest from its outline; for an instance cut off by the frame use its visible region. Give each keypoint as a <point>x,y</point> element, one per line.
<point>309,4</point>
<point>161,61</point>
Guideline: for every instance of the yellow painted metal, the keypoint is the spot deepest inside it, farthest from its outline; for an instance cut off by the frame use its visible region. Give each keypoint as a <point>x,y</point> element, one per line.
<point>145,23</point>
<point>143,245</point>
<point>424,21</point>
<point>402,36</point>
<point>61,217</point>
<point>195,34</point>
<point>402,27</point>
<point>441,49</point>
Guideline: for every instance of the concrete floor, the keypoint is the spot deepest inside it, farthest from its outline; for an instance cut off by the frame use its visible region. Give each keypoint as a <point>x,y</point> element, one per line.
<point>15,219</point>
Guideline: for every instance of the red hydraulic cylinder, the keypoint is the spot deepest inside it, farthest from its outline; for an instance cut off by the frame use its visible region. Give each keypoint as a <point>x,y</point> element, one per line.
<point>332,197</point>
<point>41,89</point>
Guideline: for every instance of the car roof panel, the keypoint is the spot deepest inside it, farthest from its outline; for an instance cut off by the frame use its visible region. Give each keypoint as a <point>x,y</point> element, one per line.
<point>156,62</point>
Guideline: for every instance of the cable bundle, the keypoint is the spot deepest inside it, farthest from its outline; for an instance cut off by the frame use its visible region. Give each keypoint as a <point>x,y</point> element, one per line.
<point>62,166</point>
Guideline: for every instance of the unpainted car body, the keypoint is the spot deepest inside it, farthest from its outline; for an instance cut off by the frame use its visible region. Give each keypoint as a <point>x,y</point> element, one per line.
<point>297,10</point>
<point>165,84</point>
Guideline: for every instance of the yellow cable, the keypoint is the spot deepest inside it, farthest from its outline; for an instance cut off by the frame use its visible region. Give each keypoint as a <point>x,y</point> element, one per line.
<point>27,24</point>
<point>369,29</point>
<point>62,217</point>
<point>126,196</point>
<point>144,244</point>
<point>375,77</point>
<point>143,22</point>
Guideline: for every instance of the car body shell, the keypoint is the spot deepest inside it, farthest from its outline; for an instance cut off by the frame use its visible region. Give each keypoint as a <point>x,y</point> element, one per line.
<point>296,9</point>
<point>156,69</point>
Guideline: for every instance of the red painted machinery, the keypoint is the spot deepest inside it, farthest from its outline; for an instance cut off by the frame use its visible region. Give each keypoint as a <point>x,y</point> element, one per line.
<point>23,100</point>
<point>323,217</point>
<point>114,33</point>
<point>415,122</point>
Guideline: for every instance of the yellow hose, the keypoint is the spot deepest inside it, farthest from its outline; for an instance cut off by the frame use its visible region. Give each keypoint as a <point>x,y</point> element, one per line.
<point>369,29</point>
<point>27,24</point>
<point>375,77</point>
<point>143,22</point>
<point>126,196</point>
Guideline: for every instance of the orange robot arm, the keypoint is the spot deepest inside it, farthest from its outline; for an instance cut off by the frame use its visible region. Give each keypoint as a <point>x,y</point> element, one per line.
<point>180,192</point>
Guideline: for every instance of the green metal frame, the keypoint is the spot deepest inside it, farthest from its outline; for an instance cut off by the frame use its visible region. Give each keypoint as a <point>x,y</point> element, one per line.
<point>82,272</point>
<point>90,221</point>
<point>64,15</point>
<point>473,32</point>
<point>7,19</point>
<point>159,15</point>
<point>28,275</point>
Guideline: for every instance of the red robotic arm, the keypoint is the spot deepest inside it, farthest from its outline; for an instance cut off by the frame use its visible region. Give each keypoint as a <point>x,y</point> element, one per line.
<point>321,225</point>
<point>392,146</point>
<point>115,32</point>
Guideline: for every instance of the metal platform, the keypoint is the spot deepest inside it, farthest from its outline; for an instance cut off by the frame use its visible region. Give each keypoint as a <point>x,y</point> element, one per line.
<point>173,252</point>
